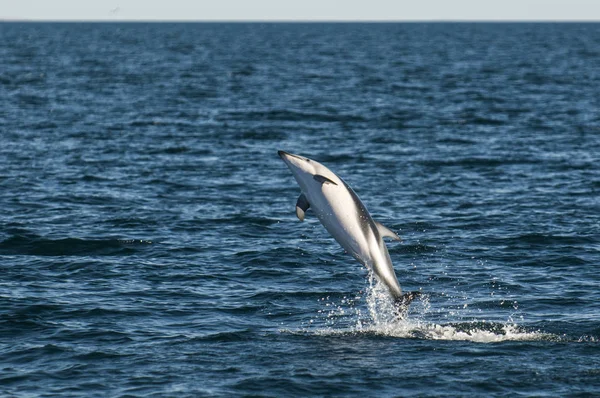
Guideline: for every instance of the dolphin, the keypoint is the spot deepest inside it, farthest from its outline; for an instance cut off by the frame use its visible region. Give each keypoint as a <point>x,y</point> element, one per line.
<point>346,218</point>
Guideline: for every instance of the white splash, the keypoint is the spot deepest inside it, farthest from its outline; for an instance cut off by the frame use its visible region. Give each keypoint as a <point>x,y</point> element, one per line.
<point>474,332</point>
<point>382,321</point>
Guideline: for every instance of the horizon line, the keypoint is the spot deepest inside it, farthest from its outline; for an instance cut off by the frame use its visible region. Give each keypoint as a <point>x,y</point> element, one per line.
<point>290,20</point>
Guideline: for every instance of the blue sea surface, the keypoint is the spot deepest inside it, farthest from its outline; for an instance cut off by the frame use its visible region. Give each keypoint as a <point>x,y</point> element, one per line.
<point>148,241</point>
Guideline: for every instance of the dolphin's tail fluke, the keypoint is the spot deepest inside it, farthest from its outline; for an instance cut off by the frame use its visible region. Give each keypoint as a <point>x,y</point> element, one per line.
<point>401,303</point>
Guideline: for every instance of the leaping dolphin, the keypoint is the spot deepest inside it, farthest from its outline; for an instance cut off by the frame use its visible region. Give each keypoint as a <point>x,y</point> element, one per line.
<point>346,218</point>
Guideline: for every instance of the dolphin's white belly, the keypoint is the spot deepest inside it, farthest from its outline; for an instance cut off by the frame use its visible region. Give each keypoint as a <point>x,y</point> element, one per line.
<point>337,211</point>
<point>352,228</point>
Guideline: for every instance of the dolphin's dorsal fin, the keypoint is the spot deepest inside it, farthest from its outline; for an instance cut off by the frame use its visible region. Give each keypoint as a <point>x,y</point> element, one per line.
<point>301,206</point>
<point>323,179</point>
<point>385,231</point>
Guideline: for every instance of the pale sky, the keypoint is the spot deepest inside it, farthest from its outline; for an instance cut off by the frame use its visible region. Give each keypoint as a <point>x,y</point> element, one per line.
<point>399,10</point>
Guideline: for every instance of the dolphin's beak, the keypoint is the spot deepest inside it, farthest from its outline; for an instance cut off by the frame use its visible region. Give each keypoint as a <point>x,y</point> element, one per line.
<point>286,157</point>
<point>283,155</point>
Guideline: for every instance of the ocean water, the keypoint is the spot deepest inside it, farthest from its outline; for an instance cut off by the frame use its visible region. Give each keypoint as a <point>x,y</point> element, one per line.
<point>148,241</point>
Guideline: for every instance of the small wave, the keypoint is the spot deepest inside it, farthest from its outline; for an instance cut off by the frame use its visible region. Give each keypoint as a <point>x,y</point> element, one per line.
<point>485,121</point>
<point>414,248</point>
<point>288,115</point>
<point>29,244</point>
<point>538,239</point>
<point>473,162</point>
<point>456,141</point>
<point>227,337</point>
<point>32,99</point>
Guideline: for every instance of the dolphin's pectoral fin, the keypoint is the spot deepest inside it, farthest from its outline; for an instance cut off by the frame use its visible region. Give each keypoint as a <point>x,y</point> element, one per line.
<point>301,206</point>
<point>385,231</point>
<point>323,179</point>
